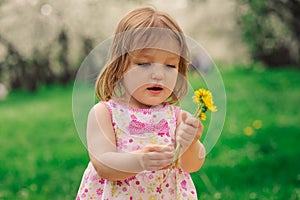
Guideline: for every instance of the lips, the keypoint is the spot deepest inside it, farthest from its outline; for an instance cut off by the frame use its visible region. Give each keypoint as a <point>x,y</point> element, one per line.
<point>155,88</point>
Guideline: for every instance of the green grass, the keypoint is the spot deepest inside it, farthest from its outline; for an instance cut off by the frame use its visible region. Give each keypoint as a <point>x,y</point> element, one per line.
<point>264,164</point>
<point>42,156</point>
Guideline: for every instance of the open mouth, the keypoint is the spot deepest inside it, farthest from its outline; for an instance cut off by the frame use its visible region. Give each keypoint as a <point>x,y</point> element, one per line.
<point>156,88</point>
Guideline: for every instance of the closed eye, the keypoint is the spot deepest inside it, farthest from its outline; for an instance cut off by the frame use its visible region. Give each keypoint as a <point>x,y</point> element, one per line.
<point>143,64</point>
<point>171,66</point>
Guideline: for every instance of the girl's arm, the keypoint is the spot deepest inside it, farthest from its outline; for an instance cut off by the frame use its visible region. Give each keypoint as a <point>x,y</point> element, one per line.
<point>193,158</point>
<point>188,132</point>
<point>109,163</point>
<point>102,149</point>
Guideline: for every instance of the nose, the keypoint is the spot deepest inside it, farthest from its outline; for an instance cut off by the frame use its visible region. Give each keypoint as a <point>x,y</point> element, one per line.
<point>157,73</point>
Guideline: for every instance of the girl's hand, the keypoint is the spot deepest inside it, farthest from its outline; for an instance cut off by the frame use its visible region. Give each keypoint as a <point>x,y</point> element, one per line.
<point>189,130</point>
<point>156,157</point>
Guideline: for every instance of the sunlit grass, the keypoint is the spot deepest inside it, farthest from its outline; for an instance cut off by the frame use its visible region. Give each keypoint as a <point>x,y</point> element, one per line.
<point>257,154</point>
<point>42,157</point>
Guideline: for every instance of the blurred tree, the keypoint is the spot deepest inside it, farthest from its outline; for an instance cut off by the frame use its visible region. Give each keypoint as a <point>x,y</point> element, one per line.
<point>2,1</point>
<point>43,56</point>
<point>28,73</point>
<point>22,72</point>
<point>272,30</point>
<point>53,43</point>
<point>63,57</point>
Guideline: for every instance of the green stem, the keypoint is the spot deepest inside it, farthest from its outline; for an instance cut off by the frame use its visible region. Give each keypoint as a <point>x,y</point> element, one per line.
<point>176,156</point>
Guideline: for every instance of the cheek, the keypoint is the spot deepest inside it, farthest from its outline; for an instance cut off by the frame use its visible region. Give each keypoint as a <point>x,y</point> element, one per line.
<point>171,79</point>
<point>133,79</point>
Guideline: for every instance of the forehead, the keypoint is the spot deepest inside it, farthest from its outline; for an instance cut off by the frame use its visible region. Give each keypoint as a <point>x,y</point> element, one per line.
<point>159,39</point>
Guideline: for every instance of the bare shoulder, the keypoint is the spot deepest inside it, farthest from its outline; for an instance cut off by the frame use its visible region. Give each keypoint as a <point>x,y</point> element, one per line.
<point>99,121</point>
<point>100,112</point>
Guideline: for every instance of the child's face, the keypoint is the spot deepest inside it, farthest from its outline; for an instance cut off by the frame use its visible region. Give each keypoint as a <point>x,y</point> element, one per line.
<point>151,77</point>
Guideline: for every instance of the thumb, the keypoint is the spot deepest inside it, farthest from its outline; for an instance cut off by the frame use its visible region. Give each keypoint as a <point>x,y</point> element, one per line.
<point>183,116</point>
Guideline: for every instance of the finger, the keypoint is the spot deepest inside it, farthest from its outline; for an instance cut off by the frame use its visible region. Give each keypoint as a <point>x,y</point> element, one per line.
<point>196,131</point>
<point>181,138</point>
<point>189,133</point>
<point>158,164</point>
<point>192,121</point>
<point>183,116</point>
<point>153,164</point>
<point>157,148</point>
<point>171,146</point>
<point>188,129</point>
<point>199,133</point>
<point>150,148</point>
<point>183,141</point>
<point>160,155</point>
<point>186,139</point>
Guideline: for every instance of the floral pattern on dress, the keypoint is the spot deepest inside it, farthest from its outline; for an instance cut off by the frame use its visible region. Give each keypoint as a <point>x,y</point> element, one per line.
<point>134,128</point>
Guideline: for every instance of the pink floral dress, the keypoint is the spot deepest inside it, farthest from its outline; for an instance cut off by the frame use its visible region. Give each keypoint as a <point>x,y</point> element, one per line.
<point>134,128</point>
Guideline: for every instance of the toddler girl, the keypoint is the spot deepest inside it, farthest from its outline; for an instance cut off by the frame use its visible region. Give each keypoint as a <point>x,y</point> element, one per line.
<point>132,131</point>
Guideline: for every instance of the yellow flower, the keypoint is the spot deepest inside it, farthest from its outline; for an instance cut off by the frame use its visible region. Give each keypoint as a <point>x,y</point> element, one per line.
<point>203,99</point>
<point>248,131</point>
<point>202,116</point>
<point>199,94</point>
<point>209,103</point>
<point>257,124</point>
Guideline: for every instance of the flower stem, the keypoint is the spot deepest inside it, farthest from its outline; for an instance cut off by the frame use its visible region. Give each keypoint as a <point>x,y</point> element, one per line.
<point>176,156</point>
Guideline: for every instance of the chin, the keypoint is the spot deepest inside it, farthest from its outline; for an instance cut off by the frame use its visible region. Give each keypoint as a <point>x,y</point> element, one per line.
<point>152,103</point>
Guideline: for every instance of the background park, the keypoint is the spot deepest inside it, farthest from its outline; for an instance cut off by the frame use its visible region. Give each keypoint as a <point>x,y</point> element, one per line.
<point>255,44</point>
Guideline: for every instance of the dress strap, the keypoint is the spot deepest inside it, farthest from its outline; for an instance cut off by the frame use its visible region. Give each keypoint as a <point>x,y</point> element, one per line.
<point>176,112</point>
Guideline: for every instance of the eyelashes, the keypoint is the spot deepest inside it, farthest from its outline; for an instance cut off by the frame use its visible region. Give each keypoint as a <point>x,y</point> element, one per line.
<point>171,66</point>
<point>144,64</point>
<point>147,64</point>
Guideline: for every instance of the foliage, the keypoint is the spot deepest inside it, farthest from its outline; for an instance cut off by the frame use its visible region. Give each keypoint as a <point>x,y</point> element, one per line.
<point>272,30</point>
<point>19,71</point>
<point>43,42</point>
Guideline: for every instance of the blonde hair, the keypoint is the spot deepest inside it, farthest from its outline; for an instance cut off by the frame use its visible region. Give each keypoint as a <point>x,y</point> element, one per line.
<point>131,34</point>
